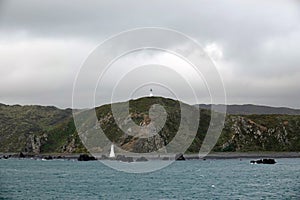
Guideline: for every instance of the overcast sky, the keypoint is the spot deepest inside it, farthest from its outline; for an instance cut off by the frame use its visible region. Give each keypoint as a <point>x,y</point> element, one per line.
<point>255,44</point>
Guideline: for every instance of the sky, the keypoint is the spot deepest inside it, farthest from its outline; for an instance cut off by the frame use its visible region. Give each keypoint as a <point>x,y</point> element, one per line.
<point>254,44</point>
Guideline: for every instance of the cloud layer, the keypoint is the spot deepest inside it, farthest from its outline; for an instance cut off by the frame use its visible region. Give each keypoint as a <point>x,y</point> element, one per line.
<point>255,44</point>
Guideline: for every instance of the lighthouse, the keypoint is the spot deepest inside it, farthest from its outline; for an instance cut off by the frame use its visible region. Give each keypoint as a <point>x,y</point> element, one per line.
<point>151,93</point>
<point>112,151</point>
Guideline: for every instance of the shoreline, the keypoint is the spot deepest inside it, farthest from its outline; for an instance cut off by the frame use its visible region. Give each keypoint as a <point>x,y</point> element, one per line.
<point>250,155</point>
<point>212,155</point>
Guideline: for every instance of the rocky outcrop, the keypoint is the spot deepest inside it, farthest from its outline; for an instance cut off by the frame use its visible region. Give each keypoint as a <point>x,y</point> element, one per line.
<point>263,161</point>
<point>70,146</point>
<point>146,138</point>
<point>260,133</point>
<point>85,157</point>
<point>141,159</point>
<point>21,155</point>
<point>48,157</point>
<point>152,144</point>
<point>179,157</point>
<point>123,158</point>
<point>34,143</point>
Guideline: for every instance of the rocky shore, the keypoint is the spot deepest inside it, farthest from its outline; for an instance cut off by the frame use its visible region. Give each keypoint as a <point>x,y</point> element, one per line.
<point>144,158</point>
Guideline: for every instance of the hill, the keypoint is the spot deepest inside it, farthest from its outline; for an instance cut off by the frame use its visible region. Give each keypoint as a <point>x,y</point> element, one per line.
<point>249,109</point>
<point>40,129</point>
<point>35,129</point>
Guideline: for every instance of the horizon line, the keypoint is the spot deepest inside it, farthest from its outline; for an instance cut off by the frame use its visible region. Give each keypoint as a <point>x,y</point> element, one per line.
<point>207,104</point>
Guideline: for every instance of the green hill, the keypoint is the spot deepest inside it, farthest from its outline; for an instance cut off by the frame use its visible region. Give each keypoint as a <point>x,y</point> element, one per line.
<point>40,129</point>
<point>35,129</point>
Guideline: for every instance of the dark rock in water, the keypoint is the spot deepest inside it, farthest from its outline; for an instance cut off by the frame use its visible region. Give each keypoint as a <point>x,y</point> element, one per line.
<point>259,161</point>
<point>21,155</point>
<point>6,156</point>
<point>48,158</point>
<point>141,159</point>
<point>269,161</point>
<point>120,157</point>
<point>179,157</point>
<point>124,158</point>
<point>85,157</point>
<point>263,161</point>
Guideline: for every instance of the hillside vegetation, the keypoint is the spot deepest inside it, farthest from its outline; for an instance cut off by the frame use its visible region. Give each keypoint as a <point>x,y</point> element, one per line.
<point>39,129</point>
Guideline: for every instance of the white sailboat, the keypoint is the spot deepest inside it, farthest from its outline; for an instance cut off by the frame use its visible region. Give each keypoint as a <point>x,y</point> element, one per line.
<point>112,151</point>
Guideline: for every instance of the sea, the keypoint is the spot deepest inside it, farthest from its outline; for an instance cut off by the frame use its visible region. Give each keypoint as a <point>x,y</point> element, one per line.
<point>192,179</point>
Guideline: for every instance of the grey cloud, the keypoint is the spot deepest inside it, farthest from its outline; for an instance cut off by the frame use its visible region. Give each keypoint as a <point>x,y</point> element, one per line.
<point>260,41</point>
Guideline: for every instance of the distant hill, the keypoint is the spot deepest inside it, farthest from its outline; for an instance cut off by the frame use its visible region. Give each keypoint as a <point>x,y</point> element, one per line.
<point>42,129</point>
<point>249,109</point>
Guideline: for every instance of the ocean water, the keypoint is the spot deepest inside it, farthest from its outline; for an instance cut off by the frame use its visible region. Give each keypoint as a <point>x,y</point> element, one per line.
<point>194,179</point>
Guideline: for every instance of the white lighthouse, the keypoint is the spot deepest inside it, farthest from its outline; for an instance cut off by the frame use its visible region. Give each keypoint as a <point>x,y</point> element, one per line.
<point>151,93</point>
<point>112,151</point>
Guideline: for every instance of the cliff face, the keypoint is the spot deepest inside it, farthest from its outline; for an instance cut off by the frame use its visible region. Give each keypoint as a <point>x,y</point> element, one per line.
<point>37,129</point>
<point>143,139</point>
<point>260,133</point>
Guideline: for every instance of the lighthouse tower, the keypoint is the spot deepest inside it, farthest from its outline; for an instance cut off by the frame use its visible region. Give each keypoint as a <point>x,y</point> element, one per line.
<point>112,151</point>
<point>151,93</point>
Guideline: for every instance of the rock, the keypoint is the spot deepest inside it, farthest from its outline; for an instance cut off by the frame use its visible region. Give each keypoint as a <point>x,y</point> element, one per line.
<point>165,158</point>
<point>129,159</point>
<point>85,157</point>
<point>141,159</point>
<point>6,156</point>
<point>150,144</point>
<point>124,158</point>
<point>179,157</point>
<point>48,158</point>
<point>104,157</point>
<point>120,157</point>
<point>263,161</point>
<point>34,143</point>
<point>269,161</point>
<point>70,146</point>
<point>21,155</point>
